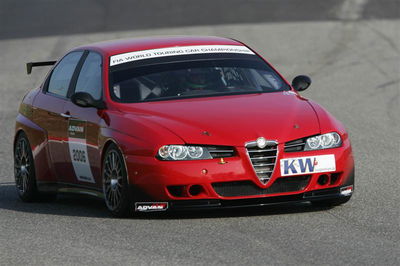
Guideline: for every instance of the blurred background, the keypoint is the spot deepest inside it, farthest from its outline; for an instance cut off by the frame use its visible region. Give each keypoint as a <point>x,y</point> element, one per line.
<point>22,19</point>
<point>351,50</point>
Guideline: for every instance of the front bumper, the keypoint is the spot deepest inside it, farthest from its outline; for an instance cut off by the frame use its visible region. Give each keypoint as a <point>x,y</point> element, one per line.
<point>325,194</point>
<point>153,179</point>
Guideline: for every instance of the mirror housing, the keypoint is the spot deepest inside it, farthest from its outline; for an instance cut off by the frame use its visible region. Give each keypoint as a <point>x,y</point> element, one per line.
<point>301,83</point>
<point>84,99</point>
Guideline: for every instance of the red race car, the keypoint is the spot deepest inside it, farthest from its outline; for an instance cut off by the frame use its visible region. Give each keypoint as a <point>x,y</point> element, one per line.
<point>176,123</point>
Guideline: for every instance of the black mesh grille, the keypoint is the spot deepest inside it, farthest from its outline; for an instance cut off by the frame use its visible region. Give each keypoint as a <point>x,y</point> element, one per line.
<point>221,151</point>
<point>295,145</point>
<point>248,188</point>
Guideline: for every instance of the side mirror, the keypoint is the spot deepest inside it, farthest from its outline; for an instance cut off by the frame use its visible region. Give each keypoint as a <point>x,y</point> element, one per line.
<point>84,99</point>
<point>301,83</point>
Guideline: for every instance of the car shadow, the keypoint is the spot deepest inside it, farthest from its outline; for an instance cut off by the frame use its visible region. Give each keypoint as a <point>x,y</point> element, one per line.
<point>88,206</point>
<point>278,209</point>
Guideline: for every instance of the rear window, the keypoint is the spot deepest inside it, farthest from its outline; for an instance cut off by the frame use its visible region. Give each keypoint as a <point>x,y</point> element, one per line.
<point>196,78</point>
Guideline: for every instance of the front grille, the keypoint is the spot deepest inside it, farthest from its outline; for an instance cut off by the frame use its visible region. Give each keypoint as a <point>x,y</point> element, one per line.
<point>221,151</point>
<point>263,161</point>
<point>248,188</point>
<point>295,145</point>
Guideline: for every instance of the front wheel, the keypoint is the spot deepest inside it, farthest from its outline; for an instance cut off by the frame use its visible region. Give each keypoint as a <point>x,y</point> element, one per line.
<point>115,184</point>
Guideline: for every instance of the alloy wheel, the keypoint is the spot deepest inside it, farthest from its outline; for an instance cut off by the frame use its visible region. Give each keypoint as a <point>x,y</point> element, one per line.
<point>22,165</point>
<point>113,179</point>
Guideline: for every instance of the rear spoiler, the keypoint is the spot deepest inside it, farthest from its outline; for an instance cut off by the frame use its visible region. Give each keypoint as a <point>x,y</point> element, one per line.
<point>36,64</point>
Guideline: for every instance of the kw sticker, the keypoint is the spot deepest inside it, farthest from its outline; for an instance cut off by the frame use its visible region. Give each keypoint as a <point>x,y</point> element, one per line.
<point>78,150</point>
<point>308,165</point>
<point>179,50</point>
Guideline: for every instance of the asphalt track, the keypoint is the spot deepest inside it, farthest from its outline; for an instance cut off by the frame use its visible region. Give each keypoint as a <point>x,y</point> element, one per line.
<point>351,49</point>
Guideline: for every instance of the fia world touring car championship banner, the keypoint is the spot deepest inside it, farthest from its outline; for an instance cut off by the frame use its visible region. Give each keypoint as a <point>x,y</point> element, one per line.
<point>179,50</point>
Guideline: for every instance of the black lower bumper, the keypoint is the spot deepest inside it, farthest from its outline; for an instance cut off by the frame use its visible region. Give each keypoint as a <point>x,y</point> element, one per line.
<point>253,202</point>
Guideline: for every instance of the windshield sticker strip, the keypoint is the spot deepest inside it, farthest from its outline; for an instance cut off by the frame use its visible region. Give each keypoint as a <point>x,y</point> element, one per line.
<point>180,50</point>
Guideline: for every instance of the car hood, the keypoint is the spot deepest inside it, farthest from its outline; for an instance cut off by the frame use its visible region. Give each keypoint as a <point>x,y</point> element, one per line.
<point>232,120</point>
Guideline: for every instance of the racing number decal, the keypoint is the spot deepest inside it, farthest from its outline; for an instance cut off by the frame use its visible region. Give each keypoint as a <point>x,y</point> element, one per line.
<point>79,156</point>
<point>78,150</point>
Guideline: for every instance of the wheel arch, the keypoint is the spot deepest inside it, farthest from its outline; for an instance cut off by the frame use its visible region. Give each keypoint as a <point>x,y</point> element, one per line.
<point>107,144</point>
<point>18,133</point>
<point>38,142</point>
<point>16,136</point>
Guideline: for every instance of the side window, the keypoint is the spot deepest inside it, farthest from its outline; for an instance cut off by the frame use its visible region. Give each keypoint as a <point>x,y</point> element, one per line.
<point>89,79</point>
<point>62,74</point>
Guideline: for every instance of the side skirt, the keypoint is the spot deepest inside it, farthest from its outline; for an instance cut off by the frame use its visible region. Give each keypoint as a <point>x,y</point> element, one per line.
<point>47,187</point>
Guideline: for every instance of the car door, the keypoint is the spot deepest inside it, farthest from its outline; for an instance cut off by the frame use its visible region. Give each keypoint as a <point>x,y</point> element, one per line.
<point>49,110</point>
<point>82,151</point>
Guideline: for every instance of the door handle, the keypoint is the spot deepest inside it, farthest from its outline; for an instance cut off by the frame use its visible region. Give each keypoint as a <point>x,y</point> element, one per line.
<point>52,114</point>
<point>66,115</point>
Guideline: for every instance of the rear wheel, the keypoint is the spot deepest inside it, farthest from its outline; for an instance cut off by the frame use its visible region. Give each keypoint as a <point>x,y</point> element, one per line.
<point>24,172</point>
<point>115,184</point>
<point>331,202</point>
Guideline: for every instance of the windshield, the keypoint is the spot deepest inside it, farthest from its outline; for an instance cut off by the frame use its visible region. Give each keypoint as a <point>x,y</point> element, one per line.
<point>203,78</point>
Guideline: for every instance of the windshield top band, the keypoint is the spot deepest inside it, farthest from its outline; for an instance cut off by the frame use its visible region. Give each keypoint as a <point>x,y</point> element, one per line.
<point>181,50</point>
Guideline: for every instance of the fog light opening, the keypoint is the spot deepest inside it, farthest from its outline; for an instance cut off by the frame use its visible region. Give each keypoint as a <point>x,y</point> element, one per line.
<point>323,180</point>
<point>335,178</point>
<point>195,190</point>
<point>176,191</point>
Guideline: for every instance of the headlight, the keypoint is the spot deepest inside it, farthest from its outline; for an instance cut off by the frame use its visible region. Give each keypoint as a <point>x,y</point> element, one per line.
<point>325,141</point>
<point>181,152</point>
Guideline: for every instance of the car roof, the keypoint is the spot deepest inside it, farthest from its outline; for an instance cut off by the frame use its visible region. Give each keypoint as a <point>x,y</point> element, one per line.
<point>109,48</point>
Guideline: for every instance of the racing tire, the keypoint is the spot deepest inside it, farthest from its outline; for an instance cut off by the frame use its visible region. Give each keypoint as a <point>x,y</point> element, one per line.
<point>331,202</point>
<point>24,172</point>
<point>115,183</point>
